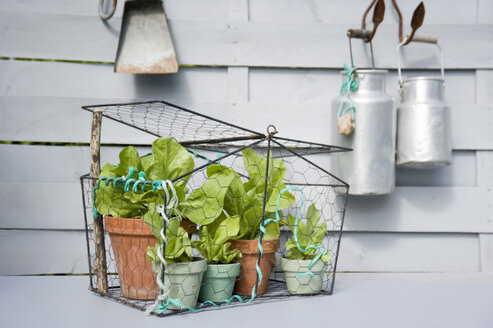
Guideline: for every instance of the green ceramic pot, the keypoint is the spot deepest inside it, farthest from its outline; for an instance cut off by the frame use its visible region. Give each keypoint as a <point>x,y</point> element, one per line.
<point>218,282</point>
<point>306,284</point>
<point>183,280</point>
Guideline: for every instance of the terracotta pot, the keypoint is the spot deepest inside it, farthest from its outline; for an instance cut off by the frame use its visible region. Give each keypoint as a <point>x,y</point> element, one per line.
<point>129,240</point>
<point>248,272</point>
<point>189,226</point>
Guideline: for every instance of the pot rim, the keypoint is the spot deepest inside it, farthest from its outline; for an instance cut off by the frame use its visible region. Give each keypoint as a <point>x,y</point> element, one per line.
<point>126,226</point>
<point>423,78</point>
<point>368,71</point>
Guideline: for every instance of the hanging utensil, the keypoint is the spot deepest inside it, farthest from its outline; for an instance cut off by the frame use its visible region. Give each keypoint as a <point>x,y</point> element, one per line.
<point>145,45</point>
<point>424,138</point>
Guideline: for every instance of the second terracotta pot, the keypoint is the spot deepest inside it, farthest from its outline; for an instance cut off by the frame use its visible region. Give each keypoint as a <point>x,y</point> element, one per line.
<point>248,272</point>
<point>129,240</point>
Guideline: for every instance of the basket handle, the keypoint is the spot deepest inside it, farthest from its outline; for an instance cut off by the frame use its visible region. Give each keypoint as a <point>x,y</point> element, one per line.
<point>422,39</point>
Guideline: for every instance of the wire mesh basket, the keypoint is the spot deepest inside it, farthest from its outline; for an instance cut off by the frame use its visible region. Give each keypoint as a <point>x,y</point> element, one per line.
<point>216,215</point>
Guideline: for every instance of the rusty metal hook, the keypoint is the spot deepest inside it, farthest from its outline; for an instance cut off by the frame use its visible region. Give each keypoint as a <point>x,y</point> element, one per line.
<point>378,15</point>
<point>105,16</point>
<point>416,22</point>
<point>271,131</point>
<point>396,7</point>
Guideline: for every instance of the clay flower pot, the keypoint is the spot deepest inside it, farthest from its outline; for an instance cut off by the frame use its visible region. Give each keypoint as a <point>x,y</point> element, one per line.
<point>218,282</point>
<point>248,272</point>
<point>184,280</point>
<point>129,240</point>
<point>305,284</point>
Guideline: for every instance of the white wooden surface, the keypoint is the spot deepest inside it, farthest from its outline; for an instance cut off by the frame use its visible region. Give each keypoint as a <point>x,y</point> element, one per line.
<point>55,251</point>
<point>354,304</point>
<point>237,43</point>
<point>265,62</point>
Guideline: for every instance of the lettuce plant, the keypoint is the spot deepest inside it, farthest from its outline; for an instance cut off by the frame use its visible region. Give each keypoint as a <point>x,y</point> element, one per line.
<point>245,199</point>
<point>310,233</point>
<point>213,242</point>
<point>178,246</point>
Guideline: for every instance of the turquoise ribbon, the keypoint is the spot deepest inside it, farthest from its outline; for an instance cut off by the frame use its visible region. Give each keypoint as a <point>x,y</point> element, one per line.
<point>350,84</point>
<point>295,232</point>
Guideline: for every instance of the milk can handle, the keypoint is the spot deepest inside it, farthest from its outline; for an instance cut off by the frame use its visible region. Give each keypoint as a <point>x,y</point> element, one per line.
<point>424,39</point>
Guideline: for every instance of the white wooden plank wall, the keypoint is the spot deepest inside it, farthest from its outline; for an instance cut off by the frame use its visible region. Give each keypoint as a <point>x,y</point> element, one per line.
<point>250,62</point>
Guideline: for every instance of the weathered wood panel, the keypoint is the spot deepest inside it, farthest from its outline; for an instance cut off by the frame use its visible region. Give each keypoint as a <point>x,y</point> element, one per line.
<point>98,81</point>
<point>34,35</point>
<point>175,9</point>
<point>38,252</point>
<point>408,209</point>
<point>350,12</point>
<point>409,252</point>
<point>420,209</point>
<point>34,252</point>
<point>485,12</point>
<point>306,86</point>
<point>57,119</point>
<point>484,85</point>
<point>29,164</point>
<point>486,252</point>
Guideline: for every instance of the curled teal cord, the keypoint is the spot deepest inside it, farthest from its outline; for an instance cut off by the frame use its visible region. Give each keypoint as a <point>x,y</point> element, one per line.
<point>350,84</point>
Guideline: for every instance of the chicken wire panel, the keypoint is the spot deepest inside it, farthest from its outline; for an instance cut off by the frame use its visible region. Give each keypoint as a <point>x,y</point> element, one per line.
<point>163,119</point>
<point>221,207</point>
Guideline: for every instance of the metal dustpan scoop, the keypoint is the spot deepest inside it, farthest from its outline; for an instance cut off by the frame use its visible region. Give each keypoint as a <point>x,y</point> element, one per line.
<point>145,45</point>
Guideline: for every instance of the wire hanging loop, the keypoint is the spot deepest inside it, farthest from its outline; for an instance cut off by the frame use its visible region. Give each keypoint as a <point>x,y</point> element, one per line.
<point>367,35</point>
<point>271,131</point>
<point>105,16</point>
<point>423,39</point>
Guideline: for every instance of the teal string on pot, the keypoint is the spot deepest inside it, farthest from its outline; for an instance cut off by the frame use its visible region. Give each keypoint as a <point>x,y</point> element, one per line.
<point>295,232</point>
<point>350,84</point>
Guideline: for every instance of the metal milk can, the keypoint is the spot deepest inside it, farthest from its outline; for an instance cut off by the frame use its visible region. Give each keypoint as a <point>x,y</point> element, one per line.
<point>370,167</point>
<point>424,138</point>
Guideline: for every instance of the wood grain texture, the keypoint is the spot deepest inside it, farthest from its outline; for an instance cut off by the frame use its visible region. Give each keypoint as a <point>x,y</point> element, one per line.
<point>99,245</point>
<point>485,12</point>
<point>486,252</point>
<point>350,12</point>
<point>409,209</point>
<point>65,252</point>
<point>34,35</point>
<point>484,85</point>
<point>409,252</point>
<point>99,81</point>
<point>39,162</point>
<point>484,168</point>
<point>38,252</point>
<point>376,303</point>
<point>175,9</point>
<point>61,120</point>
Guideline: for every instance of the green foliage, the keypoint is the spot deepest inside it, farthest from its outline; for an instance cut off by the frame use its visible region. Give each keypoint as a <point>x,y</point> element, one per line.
<point>178,247</point>
<point>310,233</point>
<point>213,242</point>
<point>168,160</point>
<point>205,204</point>
<point>249,196</point>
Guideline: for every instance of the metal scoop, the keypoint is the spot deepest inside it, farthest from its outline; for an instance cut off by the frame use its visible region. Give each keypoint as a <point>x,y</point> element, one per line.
<point>145,45</point>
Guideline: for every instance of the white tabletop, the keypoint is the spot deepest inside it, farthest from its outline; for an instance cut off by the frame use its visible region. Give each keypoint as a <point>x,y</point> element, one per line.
<point>64,301</point>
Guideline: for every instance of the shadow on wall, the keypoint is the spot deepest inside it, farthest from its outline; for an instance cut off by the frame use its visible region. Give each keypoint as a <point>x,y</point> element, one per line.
<point>162,86</point>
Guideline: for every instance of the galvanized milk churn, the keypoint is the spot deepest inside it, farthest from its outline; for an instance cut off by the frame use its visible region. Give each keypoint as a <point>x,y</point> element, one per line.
<point>370,167</point>
<point>424,138</point>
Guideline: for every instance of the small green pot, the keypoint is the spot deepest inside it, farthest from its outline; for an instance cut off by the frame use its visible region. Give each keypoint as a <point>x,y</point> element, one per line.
<point>218,282</point>
<point>183,280</point>
<point>306,284</point>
